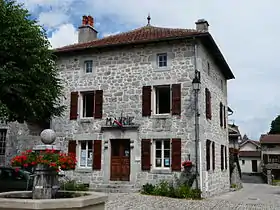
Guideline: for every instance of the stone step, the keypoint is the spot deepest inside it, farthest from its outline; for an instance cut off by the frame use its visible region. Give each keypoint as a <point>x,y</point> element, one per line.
<point>115,187</point>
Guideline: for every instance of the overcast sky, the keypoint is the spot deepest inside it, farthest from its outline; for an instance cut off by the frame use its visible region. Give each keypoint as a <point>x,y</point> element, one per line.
<point>247,32</point>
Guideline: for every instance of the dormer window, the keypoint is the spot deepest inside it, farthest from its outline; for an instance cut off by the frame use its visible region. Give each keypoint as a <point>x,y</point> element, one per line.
<point>88,66</point>
<point>162,60</point>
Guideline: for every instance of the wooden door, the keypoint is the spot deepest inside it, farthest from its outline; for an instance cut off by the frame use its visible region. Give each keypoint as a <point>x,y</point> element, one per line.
<point>254,166</point>
<point>120,159</point>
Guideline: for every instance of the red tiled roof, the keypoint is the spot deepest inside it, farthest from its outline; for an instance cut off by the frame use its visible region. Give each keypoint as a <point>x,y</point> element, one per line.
<point>270,139</point>
<point>249,153</point>
<point>143,34</point>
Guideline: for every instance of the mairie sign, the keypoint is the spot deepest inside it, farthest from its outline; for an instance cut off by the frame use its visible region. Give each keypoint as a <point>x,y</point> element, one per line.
<point>119,121</point>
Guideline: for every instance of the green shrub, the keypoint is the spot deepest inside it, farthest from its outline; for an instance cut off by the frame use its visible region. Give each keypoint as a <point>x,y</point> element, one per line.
<point>148,189</point>
<point>167,189</point>
<point>73,186</point>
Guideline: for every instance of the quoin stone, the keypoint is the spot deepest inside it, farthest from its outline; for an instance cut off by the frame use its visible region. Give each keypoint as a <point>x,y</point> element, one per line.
<point>48,136</point>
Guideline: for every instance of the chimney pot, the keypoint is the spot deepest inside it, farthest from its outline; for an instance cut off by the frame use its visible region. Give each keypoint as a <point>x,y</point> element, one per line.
<point>85,20</point>
<point>90,21</point>
<point>202,25</point>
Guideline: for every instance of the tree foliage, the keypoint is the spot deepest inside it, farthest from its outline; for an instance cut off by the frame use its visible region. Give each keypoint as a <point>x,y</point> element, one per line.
<point>275,126</point>
<point>29,86</point>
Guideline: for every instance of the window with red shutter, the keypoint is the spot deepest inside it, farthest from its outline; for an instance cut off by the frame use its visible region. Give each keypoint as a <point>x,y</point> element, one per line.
<point>225,117</point>
<point>176,154</point>
<point>74,106</point>
<point>146,154</point>
<point>222,157</point>
<point>208,144</point>
<point>221,114</point>
<point>146,100</point>
<point>97,150</point>
<point>72,147</point>
<point>98,107</point>
<point>213,156</point>
<point>176,99</point>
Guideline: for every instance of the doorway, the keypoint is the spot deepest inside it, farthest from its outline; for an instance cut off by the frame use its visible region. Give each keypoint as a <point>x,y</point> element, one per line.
<point>254,166</point>
<point>120,159</point>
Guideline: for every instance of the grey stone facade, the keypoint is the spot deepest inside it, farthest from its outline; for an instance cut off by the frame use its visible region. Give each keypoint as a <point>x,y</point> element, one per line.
<point>121,74</point>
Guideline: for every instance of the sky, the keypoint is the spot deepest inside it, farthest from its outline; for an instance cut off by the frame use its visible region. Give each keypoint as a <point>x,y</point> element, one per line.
<point>246,31</point>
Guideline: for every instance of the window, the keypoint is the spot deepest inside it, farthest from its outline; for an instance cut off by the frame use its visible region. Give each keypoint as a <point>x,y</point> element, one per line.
<point>88,66</point>
<point>222,157</point>
<point>243,162</point>
<point>222,85</point>
<point>225,157</point>
<point>213,156</point>
<point>208,104</point>
<point>162,99</point>
<point>87,104</point>
<point>162,153</point>
<point>208,68</point>
<point>85,154</point>
<point>162,60</point>
<point>221,114</point>
<point>208,158</point>
<point>3,133</point>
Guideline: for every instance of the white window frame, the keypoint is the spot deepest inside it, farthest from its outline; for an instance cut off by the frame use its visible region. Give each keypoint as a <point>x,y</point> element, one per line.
<point>162,154</point>
<point>154,100</point>
<point>88,65</point>
<point>79,145</point>
<point>81,103</point>
<point>159,55</point>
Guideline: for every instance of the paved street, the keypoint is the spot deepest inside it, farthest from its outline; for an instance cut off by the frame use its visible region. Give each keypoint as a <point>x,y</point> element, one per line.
<point>252,196</point>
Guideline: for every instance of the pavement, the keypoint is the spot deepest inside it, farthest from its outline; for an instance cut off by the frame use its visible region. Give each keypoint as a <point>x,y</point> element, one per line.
<point>252,196</point>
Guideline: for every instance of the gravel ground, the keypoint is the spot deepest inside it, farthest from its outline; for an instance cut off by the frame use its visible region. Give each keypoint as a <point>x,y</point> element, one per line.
<point>252,196</point>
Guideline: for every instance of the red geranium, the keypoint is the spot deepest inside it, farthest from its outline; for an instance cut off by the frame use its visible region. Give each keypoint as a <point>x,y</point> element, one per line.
<point>187,163</point>
<point>51,158</point>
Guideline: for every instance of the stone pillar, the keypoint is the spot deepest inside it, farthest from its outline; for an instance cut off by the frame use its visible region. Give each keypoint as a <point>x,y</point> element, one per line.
<point>269,177</point>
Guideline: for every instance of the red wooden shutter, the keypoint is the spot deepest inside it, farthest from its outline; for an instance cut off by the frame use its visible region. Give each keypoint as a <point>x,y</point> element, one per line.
<point>74,106</point>
<point>176,155</point>
<point>72,147</point>
<point>146,154</point>
<point>213,156</point>
<point>146,101</point>
<point>97,148</point>
<point>221,115</point>
<point>176,99</point>
<point>208,142</point>
<point>225,118</point>
<point>98,104</point>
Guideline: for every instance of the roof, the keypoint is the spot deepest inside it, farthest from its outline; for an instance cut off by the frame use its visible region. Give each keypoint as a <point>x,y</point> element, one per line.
<point>257,143</point>
<point>270,139</point>
<point>151,34</point>
<point>249,153</point>
<point>233,129</point>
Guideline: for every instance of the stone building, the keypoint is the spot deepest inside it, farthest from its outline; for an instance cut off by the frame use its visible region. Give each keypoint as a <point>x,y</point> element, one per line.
<point>130,114</point>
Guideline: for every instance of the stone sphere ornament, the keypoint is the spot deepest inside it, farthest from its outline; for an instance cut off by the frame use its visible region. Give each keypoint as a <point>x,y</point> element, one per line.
<point>48,136</point>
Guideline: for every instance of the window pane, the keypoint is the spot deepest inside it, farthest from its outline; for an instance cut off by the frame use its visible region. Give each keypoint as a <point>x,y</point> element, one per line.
<point>158,153</point>
<point>88,66</point>
<point>166,144</point>
<point>158,162</point>
<point>88,104</point>
<point>167,153</point>
<point>158,144</point>
<point>83,145</point>
<point>89,154</point>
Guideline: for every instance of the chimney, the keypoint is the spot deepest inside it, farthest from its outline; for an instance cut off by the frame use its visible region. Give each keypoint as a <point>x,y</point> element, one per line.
<point>202,25</point>
<point>87,33</point>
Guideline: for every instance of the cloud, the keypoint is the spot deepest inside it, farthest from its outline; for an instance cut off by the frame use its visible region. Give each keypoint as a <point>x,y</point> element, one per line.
<point>66,34</point>
<point>105,34</point>
<point>52,19</point>
<point>246,31</point>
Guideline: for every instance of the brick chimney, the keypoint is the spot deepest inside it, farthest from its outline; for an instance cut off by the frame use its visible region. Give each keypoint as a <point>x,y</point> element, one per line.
<point>202,25</point>
<point>87,32</point>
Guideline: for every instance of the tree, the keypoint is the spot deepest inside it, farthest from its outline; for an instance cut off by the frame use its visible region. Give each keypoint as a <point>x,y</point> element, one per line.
<point>275,126</point>
<point>29,86</point>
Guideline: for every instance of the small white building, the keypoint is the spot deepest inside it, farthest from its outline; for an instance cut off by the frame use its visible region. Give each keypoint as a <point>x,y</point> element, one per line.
<point>250,156</point>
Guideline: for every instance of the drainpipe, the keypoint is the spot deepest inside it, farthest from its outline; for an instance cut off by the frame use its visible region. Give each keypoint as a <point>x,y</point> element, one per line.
<point>196,123</point>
